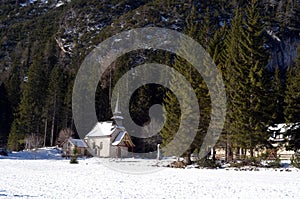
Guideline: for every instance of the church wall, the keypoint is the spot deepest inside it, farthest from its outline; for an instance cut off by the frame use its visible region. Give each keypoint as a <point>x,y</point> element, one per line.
<point>100,146</point>
<point>113,152</point>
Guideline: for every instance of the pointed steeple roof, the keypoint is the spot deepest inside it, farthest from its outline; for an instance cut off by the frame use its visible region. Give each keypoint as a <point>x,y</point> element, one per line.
<point>117,117</point>
<point>117,111</point>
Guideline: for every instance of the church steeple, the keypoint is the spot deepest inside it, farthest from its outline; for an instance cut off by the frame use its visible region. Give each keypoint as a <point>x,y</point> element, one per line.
<point>117,117</point>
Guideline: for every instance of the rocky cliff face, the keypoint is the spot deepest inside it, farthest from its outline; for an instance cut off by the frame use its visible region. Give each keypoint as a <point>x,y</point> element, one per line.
<point>283,51</point>
<point>76,26</point>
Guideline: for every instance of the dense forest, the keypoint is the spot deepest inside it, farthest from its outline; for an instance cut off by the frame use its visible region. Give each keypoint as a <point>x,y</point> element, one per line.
<point>253,43</point>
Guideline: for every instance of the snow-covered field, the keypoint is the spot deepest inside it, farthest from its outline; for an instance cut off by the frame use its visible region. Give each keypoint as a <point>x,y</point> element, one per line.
<point>52,177</point>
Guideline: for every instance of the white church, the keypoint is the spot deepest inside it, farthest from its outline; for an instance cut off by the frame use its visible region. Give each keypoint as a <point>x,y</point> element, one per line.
<point>110,138</point>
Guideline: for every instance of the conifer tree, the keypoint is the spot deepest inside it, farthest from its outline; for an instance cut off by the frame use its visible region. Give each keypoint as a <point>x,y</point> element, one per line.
<point>246,83</point>
<point>171,103</point>
<point>292,100</point>
<point>254,58</point>
<point>176,111</point>
<point>16,138</point>
<point>13,87</point>
<point>53,102</point>
<point>277,96</point>
<point>5,114</point>
<point>216,50</point>
<point>250,99</point>
<point>29,116</point>
<point>67,120</point>
<point>206,30</point>
<point>228,64</point>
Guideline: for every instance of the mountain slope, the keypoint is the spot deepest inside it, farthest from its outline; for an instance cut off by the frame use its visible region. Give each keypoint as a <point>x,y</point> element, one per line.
<point>58,34</point>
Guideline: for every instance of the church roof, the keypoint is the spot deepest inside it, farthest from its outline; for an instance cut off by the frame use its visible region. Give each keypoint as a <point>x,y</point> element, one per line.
<point>119,138</point>
<point>102,129</point>
<point>117,111</point>
<point>123,137</point>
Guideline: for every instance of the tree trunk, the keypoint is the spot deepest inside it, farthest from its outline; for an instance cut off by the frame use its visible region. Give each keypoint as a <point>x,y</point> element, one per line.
<point>53,121</point>
<point>237,153</point>
<point>45,133</point>
<point>229,154</point>
<point>244,152</point>
<point>187,157</point>
<point>214,154</point>
<point>226,160</point>
<point>251,152</point>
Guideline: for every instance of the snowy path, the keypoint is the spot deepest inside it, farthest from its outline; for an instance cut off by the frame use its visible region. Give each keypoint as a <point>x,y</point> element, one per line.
<point>89,179</point>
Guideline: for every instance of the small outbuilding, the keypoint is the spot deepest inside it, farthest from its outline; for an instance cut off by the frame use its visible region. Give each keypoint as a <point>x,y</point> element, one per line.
<point>69,145</point>
<point>279,140</point>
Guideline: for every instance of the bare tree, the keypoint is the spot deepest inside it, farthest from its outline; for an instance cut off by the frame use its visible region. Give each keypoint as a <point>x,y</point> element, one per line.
<point>63,135</point>
<point>33,141</point>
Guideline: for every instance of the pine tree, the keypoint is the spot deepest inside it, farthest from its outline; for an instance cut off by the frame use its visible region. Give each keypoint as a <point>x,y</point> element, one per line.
<point>253,97</point>
<point>228,62</point>
<point>277,96</point>
<point>13,87</point>
<point>177,111</point>
<point>206,29</point>
<point>29,116</point>
<point>246,83</point>
<point>67,120</point>
<point>5,114</point>
<point>292,100</point>
<point>216,47</point>
<point>216,50</point>
<point>255,57</point>
<point>53,102</point>
<point>16,138</point>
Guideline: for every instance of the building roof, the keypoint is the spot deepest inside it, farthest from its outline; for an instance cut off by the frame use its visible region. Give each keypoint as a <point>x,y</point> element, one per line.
<point>78,142</point>
<point>117,117</point>
<point>119,138</point>
<point>123,138</point>
<point>102,129</point>
<point>279,130</point>
<point>279,127</point>
<point>283,127</point>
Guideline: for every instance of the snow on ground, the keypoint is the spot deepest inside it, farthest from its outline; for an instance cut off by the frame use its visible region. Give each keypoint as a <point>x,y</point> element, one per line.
<point>54,177</point>
<point>41,153</point>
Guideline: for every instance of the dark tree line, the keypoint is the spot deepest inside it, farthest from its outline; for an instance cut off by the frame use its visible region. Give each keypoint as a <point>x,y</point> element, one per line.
<point>36,93</point>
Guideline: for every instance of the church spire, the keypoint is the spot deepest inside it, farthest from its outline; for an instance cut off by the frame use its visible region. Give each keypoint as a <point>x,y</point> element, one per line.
<point>117,117</point>
<point>117,111</point>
